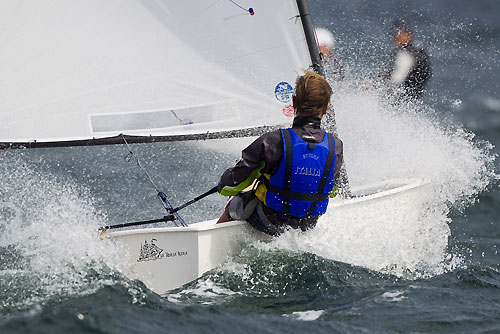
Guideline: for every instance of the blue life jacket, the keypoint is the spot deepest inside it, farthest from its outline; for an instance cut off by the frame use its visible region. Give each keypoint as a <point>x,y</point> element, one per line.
<point>301,185</point>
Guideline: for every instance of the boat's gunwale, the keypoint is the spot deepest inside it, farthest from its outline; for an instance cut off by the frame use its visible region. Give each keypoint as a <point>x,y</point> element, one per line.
<point>211,225</point>
<point>398,189</point>
<point>195,227</point>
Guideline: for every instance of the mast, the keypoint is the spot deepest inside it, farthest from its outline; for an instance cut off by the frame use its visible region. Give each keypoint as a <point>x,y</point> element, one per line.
<point>305,16</point>
<point>317,64</point>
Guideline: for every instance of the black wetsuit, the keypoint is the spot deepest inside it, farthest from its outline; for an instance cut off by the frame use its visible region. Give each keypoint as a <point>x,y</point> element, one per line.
<point>414,84</point>
<point>269,149</point>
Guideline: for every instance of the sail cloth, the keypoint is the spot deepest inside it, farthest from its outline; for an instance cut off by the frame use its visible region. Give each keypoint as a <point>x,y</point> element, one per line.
<point>83,69</point>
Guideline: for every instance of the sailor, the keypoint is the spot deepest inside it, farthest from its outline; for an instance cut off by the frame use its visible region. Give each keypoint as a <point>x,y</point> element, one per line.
<point>293,171</point>
<point>333,65</point>
<point>411,67</point>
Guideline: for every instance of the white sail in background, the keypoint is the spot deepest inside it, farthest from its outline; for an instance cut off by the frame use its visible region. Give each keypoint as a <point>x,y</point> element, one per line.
<point>82,69</point>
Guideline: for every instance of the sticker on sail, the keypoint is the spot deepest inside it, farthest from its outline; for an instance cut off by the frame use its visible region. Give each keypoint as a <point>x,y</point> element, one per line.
<point>288,110</point>
<point>283,92</point>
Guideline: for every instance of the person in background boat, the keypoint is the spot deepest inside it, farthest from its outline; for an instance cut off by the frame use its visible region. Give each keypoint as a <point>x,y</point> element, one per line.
<point>333,65</point>
<point>291,173</point>
<point>411,67</point>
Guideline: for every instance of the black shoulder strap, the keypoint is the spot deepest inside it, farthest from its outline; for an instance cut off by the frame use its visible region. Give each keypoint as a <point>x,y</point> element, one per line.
<point>326,172</point>
<point>288,170</point>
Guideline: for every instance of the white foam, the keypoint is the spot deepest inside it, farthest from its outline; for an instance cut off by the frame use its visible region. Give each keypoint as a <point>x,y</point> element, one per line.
<point>384,141</point>
<point>206,289</point>
<point>394,296</point>
<point>306,315</point>
<point>50,225</point>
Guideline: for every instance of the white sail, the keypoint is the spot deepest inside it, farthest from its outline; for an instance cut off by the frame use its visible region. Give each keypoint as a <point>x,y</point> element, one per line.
<point>82,69</point>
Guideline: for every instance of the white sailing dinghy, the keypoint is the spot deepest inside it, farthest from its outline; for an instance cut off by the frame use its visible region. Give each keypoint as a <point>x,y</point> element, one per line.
<point>92,72</point>
<point>165,258</point>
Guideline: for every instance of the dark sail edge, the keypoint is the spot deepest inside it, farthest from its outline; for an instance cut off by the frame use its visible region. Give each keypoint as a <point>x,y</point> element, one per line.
<point>140,139</point>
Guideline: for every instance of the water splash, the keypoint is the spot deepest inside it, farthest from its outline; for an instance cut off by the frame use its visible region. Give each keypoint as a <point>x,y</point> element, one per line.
<point>49,221</point>
<point>386,140</point>
<point>49,238</point>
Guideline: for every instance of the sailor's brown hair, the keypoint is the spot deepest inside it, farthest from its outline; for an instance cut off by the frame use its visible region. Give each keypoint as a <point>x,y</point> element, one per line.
<point>312,94</point>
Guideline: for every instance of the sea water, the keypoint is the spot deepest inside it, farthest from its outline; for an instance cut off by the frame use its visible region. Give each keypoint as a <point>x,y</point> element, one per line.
<point>57,277</point>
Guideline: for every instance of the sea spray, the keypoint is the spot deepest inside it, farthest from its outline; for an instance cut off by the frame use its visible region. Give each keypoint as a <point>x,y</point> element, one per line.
<point>387,141</point>
<point>390,141</point>
<point>49,239</point>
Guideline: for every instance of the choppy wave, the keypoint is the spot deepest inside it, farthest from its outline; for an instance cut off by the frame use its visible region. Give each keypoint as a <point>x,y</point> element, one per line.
<point>264,273</point>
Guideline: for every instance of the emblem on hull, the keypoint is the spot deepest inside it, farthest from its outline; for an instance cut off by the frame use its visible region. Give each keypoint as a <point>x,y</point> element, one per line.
<point>149,251</point>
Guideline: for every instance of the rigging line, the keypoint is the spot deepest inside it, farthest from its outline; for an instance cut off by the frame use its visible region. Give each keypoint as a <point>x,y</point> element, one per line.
<point>182,121</point>
<point>246,10</point>
<point>175,115</point>
<point>139,164</point>
<point>164,200</point>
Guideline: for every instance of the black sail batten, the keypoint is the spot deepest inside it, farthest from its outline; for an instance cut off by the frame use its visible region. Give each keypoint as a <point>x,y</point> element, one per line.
<point>249,132</point>
<point>312,45</point>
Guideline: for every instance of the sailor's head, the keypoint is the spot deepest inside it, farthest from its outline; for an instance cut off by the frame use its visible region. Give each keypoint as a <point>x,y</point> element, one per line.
<point>312,95</point>
<point>401,32</point>
<point>326,41</point>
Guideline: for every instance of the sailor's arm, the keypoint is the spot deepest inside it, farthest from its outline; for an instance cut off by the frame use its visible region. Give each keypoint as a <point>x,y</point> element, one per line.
<point>404,63</point>
<point>339,159</point>
<point>340,173</point>
<point>260,156</point>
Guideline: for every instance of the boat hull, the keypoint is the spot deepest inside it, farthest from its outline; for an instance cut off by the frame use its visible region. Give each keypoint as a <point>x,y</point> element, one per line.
<point>166,258</point>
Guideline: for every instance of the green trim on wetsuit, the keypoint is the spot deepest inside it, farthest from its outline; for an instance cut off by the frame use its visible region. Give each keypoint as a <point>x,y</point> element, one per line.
<point>233,191</point>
